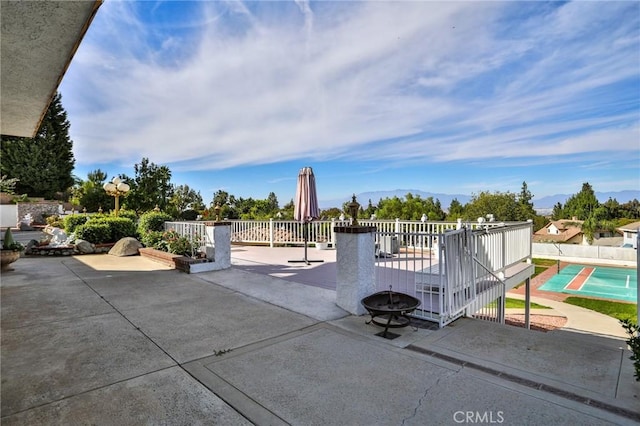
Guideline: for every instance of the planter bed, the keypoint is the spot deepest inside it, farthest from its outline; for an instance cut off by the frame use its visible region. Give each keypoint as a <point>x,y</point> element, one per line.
<point>181,263</point>
<point>168,259</point>
<point>65,250</point>
<point>192,266</point>
<point>52,251</point>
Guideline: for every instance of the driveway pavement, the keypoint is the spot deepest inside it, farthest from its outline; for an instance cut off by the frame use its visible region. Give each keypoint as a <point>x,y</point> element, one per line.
<point>104,340</point>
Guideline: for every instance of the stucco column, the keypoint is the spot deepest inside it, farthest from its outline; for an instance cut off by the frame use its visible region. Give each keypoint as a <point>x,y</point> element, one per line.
<point>355,266</point>
<point>218,243</point>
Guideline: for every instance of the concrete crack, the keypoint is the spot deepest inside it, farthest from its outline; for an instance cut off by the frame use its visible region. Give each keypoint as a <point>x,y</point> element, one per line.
<point>425,394</point>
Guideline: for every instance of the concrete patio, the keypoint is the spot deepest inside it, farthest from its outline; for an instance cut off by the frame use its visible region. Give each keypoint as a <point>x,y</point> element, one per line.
<point>103,340</point>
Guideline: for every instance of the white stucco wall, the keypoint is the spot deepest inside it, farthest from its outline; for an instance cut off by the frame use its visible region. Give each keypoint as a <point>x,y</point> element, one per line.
<point>8,215</point>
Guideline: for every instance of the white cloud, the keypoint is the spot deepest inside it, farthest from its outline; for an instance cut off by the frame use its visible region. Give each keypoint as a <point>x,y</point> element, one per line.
<point>264,82</point>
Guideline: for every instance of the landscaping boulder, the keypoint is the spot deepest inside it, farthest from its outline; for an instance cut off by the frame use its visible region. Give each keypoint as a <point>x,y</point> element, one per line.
<point>84,247</point>
<point>57,236</point>
<point>127,246</point>
<point>22,226</point>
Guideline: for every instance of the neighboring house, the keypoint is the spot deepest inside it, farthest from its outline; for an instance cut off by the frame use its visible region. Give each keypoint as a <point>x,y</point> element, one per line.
<point>567,231</point>
<point>630,234</point>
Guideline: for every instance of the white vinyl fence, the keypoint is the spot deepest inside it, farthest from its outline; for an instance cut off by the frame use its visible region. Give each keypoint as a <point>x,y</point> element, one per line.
<point>289,232</point>
<point>588,253</point>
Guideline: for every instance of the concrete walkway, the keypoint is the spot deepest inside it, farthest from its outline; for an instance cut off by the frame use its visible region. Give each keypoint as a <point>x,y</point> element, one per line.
<point>88,340</point>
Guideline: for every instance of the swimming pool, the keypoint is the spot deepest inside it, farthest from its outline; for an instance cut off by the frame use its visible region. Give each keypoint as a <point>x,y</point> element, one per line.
<point>596,281</point>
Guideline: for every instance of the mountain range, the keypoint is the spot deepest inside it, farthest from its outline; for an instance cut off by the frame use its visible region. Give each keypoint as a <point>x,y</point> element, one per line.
<point>543,205</point>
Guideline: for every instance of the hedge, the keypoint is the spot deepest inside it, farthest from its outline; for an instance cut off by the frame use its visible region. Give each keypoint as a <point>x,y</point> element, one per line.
<point>119,227</point>
<point>71,222</point>
<point>152,221</point>
<point>95,232</point>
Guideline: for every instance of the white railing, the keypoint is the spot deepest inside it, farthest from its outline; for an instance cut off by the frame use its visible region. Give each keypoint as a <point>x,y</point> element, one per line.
<point>289,232</point>
<point>194,231</point>
<point>411,270</point>
<point>453,273</point>
<point>460,273</point>
<point>499,248</point>
<point>283,232</point>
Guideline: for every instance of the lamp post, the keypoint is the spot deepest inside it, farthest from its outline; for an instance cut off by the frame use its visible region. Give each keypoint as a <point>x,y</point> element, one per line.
<point>116,188</point>
<point>353,207</point>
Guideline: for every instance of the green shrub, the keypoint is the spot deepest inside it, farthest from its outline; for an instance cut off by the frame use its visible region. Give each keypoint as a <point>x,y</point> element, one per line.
<point>8,243</point>
<point>119,227</point>
<point>95,232</point>
<point>71,222</point>
<point>633,330</point>
<point>152,221</point>
<point>128,214</point>
<point>55,221</point>
<point>152,239</point>
<point>172,242</point>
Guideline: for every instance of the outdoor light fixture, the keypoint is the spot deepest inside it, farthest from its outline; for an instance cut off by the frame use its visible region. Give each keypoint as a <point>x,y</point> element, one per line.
<point>353,207</point>
<point>116,188</point>
<point>423,219</point>
<point>217,209</point>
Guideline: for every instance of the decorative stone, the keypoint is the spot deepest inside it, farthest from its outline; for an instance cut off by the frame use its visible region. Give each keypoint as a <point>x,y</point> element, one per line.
<point>58,236</point>
<point>24,226</point>
<point>30,246</point>
<point>84,247</point>
<point>127,246</point>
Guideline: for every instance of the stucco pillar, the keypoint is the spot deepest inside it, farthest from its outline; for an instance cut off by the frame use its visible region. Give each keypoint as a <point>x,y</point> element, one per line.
<point>355,266</point>
<point>218,243</point>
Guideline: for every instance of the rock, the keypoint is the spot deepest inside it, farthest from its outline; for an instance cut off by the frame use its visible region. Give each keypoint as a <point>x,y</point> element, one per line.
<point>24,227</point>
<point>127,246</point>
<point>58,236</point>
<point>30,245</point>
<point>84,247</point>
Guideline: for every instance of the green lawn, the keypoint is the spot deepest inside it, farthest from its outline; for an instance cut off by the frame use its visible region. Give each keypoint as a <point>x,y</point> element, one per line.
<point>544,262</point>
<point>618,310</point>
<point>517,304</point>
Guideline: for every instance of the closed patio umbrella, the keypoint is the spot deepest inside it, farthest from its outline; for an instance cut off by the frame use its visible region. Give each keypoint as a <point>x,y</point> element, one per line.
<point>306,205</point>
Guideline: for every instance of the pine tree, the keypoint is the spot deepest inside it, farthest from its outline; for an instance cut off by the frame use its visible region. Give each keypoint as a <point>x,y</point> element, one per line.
<point>525,205</point>
<point>43,164</point>
<point>582,204</point>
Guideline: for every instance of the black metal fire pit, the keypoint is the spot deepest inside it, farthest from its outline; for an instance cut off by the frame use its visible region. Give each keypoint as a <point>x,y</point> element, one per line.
<point>392,306</point>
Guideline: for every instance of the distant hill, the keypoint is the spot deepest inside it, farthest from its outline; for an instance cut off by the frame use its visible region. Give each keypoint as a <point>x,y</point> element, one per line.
<point>543,205</point>
<point>621,196</point>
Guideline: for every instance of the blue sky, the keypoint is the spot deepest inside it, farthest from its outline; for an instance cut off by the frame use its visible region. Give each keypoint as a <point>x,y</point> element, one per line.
<point>444,97</point>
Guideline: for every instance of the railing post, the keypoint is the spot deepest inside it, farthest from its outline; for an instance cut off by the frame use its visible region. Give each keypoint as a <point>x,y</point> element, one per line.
<point>503,249</point>
<point>355,266</point>
<point>271,232</point>
<point>332,234</point>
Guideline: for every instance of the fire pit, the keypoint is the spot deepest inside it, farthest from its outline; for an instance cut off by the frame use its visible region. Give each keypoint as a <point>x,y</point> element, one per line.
<point>392,306</point>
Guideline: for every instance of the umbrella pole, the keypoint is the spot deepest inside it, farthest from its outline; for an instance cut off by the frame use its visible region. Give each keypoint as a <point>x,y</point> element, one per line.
<point>306,239</point>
